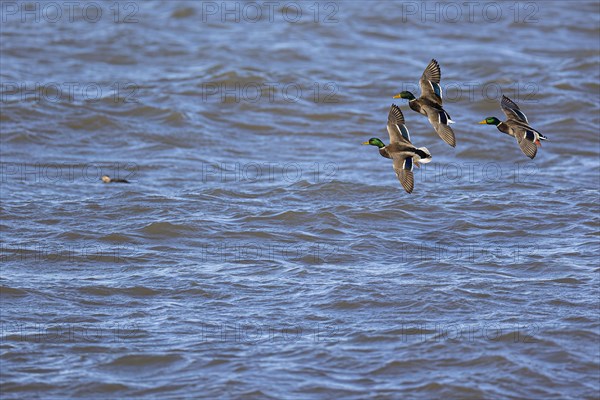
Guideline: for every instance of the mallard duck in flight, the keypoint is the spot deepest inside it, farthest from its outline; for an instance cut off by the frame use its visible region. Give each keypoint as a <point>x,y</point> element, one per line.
<point>517,126</point>
<point>400,149</point>
<point>430,102</point>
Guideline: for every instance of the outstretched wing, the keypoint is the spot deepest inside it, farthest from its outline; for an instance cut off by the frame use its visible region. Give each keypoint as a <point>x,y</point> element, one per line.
<point>511,109</point>
<point>395,126</point>
<point>403,168</point>
<point>430,82</point>
<point>526,140</point>
<point>439,119</point>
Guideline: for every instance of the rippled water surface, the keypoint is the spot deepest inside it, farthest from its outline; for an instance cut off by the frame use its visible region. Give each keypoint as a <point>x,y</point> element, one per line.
<point>259,251</point>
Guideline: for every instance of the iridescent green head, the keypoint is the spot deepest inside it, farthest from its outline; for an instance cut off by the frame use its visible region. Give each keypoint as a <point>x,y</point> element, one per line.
<point>375,142</point>
<point>490,121</point>
<point>405,95</point>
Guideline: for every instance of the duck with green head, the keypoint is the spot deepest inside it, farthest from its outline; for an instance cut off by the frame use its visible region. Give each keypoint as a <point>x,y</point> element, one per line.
<point>400,149</point>
<point>517,126</point>
<point>430,102</point>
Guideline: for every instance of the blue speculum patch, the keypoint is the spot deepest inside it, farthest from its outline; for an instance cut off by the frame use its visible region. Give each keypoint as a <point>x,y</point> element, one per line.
<point>529,135</point>
<point>437,89</point>
<point>404,132</point>
<point>443,118</point>
<point>520,114</point>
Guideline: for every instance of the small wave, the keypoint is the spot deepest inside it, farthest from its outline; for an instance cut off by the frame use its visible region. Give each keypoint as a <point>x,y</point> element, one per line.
<point>10,291</point>
<point>135,291</point>
<point>33,387</point>
<point>101,387</point>
<point>96,122</point>
<point>145,360</point>
<point>167,229</point>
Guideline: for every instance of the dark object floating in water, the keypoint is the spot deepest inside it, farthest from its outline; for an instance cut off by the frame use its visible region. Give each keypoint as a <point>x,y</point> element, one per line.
<point>108,179</point>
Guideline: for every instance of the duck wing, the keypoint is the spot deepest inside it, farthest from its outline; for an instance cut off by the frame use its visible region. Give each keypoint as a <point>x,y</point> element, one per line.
<point>511,110</point>
<point>396,127</point>
<point>430,83</point>
<point>439,119</point>
<point>403,167</point>
<point>526,139</point>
